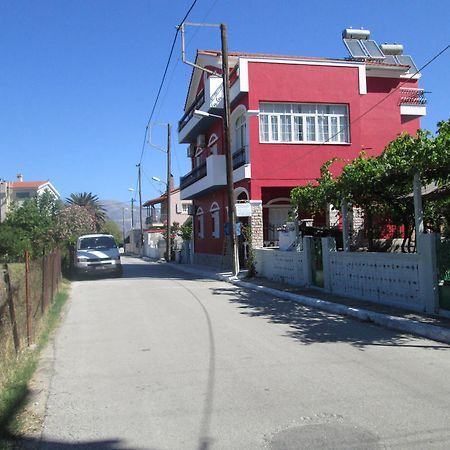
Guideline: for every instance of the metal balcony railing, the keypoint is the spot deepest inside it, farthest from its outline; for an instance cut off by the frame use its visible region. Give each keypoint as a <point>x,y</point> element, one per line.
<point>239,158</point>
<point>156,219</point>
<point>193,176</point>
<point>412,96</point>
<point>198,102</point>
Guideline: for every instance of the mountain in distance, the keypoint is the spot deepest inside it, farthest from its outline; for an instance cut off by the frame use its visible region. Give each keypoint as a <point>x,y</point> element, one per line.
<point>120,212</point>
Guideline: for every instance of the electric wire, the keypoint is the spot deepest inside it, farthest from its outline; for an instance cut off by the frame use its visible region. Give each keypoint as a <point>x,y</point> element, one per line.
<point>352,122</point>
<point>164,76</point>
<point>171,79</point>
<point>163,79</point>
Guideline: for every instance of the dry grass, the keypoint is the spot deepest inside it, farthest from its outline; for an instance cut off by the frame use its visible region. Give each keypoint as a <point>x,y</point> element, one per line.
<point>17,370</point>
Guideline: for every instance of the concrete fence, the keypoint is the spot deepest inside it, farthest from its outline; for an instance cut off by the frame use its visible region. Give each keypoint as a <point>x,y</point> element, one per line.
<point>408,281</point>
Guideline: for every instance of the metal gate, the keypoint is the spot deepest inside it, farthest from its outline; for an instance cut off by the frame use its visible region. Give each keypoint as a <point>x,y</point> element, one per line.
<point>317,262</point>
<point>443,266</point>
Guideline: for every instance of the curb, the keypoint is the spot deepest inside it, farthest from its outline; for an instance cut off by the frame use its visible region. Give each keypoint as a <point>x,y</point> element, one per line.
<point>432,332</point>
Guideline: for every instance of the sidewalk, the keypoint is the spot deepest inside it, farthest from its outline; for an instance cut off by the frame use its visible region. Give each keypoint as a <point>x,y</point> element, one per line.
<point>420,324</point>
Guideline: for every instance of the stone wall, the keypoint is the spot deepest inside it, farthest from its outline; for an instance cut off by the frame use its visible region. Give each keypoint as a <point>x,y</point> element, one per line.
<point>256,222</point>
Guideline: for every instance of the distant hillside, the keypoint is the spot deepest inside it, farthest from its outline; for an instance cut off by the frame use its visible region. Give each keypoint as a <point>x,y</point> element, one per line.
<point>115,211</point>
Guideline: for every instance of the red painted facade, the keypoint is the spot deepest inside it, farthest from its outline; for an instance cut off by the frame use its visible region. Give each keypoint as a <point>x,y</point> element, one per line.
<point>374,120</point>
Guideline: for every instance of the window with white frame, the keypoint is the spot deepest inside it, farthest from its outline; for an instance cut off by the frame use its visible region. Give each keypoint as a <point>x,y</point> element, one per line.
<point>240,132</point>
<point>303,123</point>
<point>185,208</point>
<point>212,144</point>
<point>215,220</point>
<point>200,223</point>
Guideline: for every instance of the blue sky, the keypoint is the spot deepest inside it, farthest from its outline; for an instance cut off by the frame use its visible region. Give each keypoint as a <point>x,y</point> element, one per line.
<point>79,78</point>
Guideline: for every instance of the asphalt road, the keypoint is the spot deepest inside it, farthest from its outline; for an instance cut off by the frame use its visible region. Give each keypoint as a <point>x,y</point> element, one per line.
<point>163,360</point>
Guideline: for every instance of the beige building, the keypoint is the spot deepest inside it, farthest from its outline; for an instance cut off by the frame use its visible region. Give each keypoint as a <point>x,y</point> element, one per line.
<point>18,191</point>
<point>157,209</point>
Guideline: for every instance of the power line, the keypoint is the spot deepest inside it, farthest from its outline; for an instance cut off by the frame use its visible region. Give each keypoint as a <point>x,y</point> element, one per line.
<point>370,109</point>
<point>164,76</point>
<point>398,87</point>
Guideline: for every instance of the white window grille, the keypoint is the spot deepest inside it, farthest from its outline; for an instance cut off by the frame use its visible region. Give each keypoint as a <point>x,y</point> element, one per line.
<point>215,220</point>
<point>240,130</point>
<point>200,223</point>
<point>304,123</point>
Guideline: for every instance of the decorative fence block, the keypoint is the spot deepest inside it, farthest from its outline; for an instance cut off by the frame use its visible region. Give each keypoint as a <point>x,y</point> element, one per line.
<point>276,265</point>
<point>392,279</point>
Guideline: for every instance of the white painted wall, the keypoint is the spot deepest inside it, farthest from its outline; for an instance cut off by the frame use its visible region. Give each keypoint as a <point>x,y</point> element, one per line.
<point>403,280</point>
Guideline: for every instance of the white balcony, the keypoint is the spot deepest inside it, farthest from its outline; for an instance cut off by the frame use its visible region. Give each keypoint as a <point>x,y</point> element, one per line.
<point>412,102</point>
<point>207,177</point>
<point>209,100</point>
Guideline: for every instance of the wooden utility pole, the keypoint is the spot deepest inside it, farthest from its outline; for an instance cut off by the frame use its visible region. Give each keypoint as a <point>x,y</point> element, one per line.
<point>168,239</point>
<point>228,156</point>
<point>141,237</point>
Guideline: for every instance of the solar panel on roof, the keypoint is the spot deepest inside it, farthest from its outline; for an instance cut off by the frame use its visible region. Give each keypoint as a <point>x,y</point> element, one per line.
<point>390,59</point>
<point>373,50</point>
<point>355,48</point>
<point>408,61</point>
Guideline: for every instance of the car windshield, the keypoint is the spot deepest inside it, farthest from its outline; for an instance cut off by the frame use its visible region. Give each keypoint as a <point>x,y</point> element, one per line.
<point>97,242</point>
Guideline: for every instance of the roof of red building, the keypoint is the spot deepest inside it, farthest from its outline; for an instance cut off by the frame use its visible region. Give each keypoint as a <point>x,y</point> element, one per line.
<point>266,55</point>
<point>218,53</point>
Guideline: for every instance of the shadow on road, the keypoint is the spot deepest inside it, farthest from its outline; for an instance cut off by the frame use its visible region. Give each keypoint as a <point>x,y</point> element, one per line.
<point>311,326</point>
<point>141,269</point>
<point>37,444</point>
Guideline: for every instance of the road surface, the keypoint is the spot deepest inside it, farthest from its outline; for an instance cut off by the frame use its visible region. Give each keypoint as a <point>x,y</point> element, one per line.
<point>164,360</point>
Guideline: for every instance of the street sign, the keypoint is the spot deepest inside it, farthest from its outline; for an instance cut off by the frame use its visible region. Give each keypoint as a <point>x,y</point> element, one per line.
<point>243,209</point>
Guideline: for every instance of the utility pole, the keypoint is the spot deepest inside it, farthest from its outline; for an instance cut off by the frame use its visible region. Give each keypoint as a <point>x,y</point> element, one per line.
<point>141,237</point>
<point>226,132</point>
<point>168,240</point>
<point>132,213</point>
<point>227,146</point>
<point>123,225</point>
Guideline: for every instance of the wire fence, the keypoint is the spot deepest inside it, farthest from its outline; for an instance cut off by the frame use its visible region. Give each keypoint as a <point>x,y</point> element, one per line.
<point>26,291</point>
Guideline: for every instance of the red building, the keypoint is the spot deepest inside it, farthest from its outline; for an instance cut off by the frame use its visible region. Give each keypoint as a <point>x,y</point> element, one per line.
<point>289,115</point>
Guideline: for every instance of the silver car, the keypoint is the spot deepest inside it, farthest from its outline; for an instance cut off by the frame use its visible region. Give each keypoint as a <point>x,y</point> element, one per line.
<point>97,254</point>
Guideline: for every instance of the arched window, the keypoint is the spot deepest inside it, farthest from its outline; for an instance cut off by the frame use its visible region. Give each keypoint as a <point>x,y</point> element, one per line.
<point>215,220</point>
<point>200,223</point>
<point>212,144</point>
<point>240,132</point>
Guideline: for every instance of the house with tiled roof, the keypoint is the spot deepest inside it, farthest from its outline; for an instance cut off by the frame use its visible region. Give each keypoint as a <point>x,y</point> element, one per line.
<point>19,190</point>
<point>156,219</point>
<point>289,115</point>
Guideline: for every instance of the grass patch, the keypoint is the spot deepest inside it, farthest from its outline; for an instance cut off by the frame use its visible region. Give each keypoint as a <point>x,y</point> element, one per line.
<point>14,392</point>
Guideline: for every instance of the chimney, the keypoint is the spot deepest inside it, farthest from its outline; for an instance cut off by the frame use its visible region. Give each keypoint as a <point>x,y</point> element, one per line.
<point>19,177</point>
<point>171,184</point>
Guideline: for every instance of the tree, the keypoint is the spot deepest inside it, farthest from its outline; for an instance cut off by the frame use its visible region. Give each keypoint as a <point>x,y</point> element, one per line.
<point>92,203</point>
<point>185,231</point>
<point>33,224</point>
<point>111,227</point>
<point>382,185</point>
<point>72,222</point>
<point>313,198</point>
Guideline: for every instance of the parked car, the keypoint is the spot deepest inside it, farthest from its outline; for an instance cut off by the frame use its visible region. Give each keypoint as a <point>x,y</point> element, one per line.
<point>97,254</point>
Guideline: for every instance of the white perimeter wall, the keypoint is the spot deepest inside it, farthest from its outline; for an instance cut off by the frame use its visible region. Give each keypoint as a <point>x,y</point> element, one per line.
<point>408,281</point>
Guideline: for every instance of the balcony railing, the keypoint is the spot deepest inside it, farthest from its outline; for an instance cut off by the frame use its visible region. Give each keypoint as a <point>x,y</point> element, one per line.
<point>198,102</point>
<point>239,158</point>
<point>193,176</point>
<point>412,96</point>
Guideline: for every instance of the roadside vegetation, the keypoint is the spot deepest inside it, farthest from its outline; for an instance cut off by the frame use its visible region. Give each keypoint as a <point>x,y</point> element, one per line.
<point>16,375</point>
<point>382,186</point>
<point>35,241</point>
